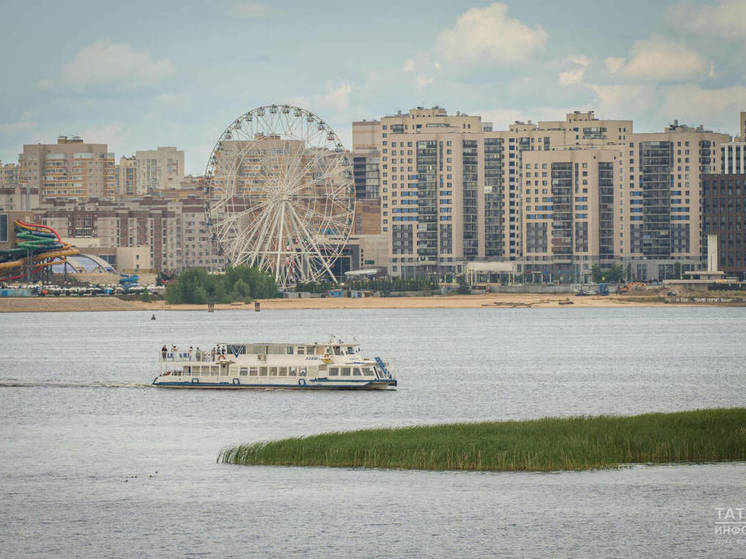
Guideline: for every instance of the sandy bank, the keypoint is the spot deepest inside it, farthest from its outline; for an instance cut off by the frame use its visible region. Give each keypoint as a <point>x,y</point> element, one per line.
<point>488,301</point>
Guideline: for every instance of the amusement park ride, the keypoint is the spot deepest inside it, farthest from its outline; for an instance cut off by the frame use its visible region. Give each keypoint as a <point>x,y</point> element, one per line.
<point>37,247</point>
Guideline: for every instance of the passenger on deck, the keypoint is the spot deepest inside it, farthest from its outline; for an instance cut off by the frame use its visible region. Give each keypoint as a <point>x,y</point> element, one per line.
<point>164,351</point>
<point>212,352</point>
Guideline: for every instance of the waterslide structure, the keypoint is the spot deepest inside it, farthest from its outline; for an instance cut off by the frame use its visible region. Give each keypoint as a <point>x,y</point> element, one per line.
<point>37,246</point>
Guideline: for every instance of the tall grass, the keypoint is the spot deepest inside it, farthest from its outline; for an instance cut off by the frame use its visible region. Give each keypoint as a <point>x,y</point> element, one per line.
<point>575,443</point>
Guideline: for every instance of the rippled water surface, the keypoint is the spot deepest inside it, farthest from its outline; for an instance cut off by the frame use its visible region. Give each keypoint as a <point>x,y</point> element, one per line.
<point>96,463</point>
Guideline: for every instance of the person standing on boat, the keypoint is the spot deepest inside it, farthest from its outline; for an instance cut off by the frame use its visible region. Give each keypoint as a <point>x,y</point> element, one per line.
<point>212,352</point>
<point>164,351</point>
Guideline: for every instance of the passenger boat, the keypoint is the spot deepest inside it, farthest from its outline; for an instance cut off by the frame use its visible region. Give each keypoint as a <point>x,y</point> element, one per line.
<point>331,365</point>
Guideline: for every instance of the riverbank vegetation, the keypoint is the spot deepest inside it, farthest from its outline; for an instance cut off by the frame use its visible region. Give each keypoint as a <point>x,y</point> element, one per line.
<point>549,444</point>
<point>239,283</point>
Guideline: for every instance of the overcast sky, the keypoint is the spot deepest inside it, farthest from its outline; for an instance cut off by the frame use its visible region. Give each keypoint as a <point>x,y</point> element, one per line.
<point>137,75</point>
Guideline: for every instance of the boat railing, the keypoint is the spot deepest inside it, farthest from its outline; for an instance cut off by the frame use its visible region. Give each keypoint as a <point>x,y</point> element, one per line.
<point>201,357</point>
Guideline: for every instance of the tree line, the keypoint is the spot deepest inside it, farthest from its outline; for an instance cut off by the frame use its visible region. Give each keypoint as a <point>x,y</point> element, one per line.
<point>239,283</point>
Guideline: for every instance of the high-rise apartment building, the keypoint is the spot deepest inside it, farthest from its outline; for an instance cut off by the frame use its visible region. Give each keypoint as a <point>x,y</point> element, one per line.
<point>159,169</point>
<point>68,169</point>
<point>127,177</point>
<point>450,185</point>
<point>724,215</point>
<point>366,159</point>
<point>659,209</point>
<point>568,198</point>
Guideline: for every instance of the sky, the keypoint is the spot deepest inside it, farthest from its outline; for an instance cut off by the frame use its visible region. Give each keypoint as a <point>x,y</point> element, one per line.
<point>142,74</point>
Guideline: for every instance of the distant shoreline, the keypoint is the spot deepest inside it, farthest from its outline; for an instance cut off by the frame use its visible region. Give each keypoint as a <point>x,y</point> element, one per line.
<point>490,300</point>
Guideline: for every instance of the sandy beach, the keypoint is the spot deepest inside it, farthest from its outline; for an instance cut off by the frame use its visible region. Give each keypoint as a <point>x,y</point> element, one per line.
<point>487,301</point>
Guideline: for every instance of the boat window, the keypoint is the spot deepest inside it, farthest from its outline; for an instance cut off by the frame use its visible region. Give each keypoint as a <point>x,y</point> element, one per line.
<point>253,371</point>
<point>356,372</point>
<point>350,350</point>
<point>273,371</point>
<point>337,350</point>
<point>187,370</point>
<point>334,372</point>
<point>262,371</point>
<point>309,350</point>
<point>301,350</point>
<point>291,371</point>
<point>345,371</point>
<point>378,372</point>
<point>302,372</point>
<point>283,371</point>
<point>368,372</point>
<point>290,350</point>
<point>244,371</point>
<point>214,371</point>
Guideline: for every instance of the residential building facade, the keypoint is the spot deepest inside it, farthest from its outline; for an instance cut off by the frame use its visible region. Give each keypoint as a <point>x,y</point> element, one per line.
<point>724,215</point>
<point>69,169</point>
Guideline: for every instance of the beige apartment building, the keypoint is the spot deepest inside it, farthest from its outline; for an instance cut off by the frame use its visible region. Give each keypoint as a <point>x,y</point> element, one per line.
<point>659,213</point>
<point>126,173</point>
<point>159,169</point>
<point>568,198</point>
<point>69,169</point>
<point>450,186</point>
<point>174,231</point>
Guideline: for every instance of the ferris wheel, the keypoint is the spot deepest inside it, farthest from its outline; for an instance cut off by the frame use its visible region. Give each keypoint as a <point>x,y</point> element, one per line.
<point>281,194</point>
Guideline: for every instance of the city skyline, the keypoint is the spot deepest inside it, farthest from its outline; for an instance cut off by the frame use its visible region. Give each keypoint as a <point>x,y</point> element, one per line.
<point>183,73</point>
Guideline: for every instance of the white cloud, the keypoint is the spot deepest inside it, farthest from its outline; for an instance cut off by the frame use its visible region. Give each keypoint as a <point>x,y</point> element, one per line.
<point>660,60</point>
<point>423,81</point>
<point>247,10</point>
<point>624,100</point>
<point>614,64</point>
<point>571,77</point>
<point>711,107</point>
<point>408,66</point>
<point>574,75</point>
<point>502,118</point>
<point>335,100</point>
<point>105,62</point>
<point>113,134</point>
<point>488,35</point>
<point>23,125</point>
<point>580,60</point>
<point>724,18</point>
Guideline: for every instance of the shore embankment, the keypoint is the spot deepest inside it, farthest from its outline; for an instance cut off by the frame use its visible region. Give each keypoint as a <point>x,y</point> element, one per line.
<point>549,444</point>
<point>489,300</point>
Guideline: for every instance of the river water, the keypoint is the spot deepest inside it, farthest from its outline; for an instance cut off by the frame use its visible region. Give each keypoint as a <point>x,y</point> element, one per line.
<point>96,463</point>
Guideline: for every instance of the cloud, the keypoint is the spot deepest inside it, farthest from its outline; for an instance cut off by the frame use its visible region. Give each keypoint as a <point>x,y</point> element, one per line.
<point>712,107</point>
<point>113,134</point>
<point>574,75</point>
<point>624,100</point>
<point>408,66</point>
<point>614,64</point>
<point>724,18</point>
<point>335,100</point>
<point>488,35</point>
<point>45,83</point>
<point>23,125</point>
<point>660,60</point>
<point>104,62</point>
<point>247,10</point>
<point>503,118</point>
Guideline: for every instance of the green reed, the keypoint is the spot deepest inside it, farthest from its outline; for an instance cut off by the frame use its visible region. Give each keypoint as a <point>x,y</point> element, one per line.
<point>574,443</point>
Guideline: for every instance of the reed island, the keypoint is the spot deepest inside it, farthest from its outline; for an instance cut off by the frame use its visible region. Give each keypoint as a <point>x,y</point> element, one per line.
<point>540,445</point>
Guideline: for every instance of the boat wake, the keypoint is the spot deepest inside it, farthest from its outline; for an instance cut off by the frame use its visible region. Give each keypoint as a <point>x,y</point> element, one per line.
<point>13,383</point>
